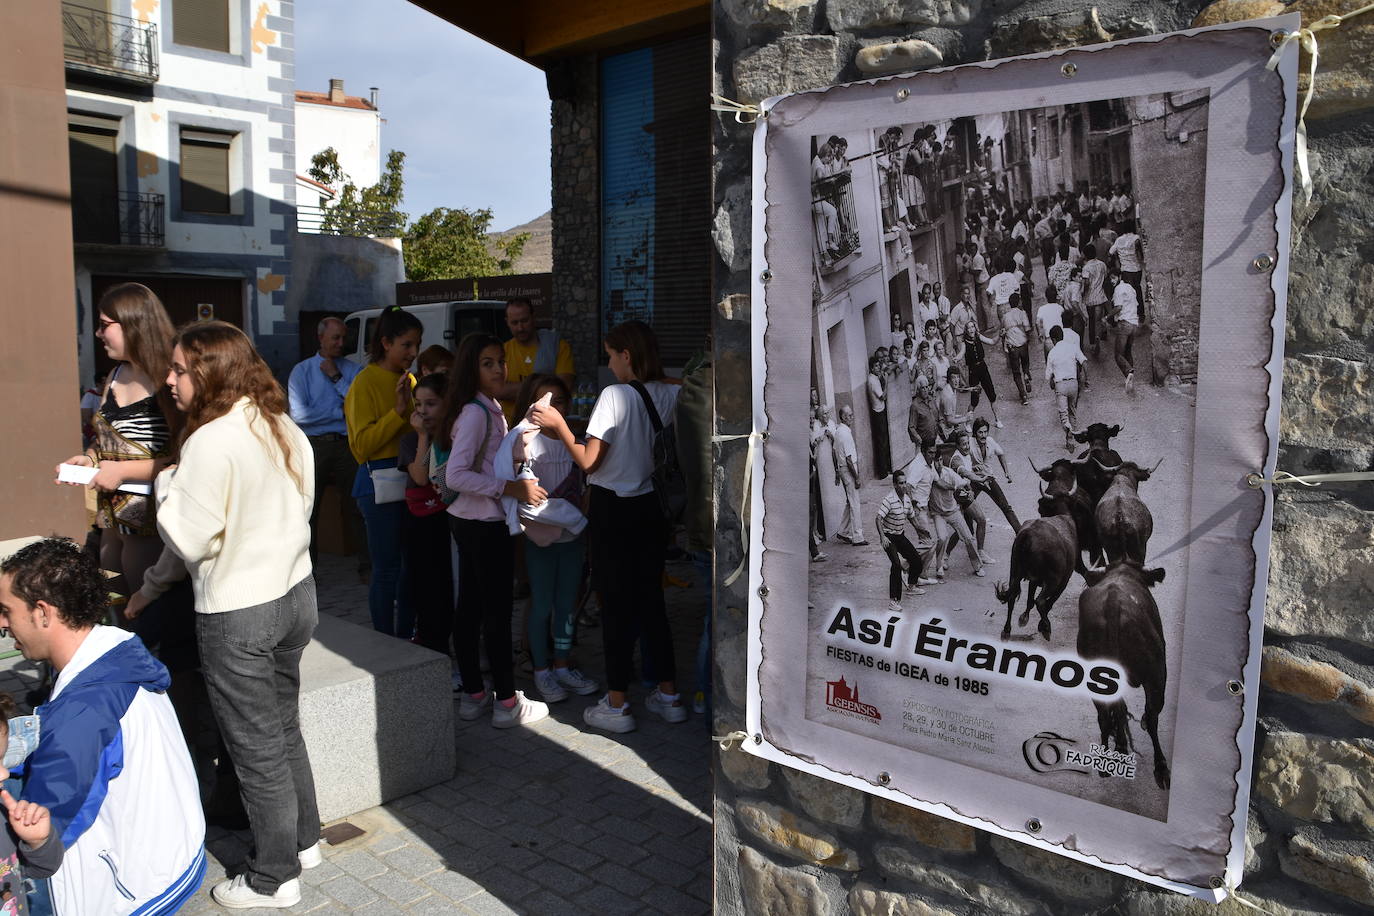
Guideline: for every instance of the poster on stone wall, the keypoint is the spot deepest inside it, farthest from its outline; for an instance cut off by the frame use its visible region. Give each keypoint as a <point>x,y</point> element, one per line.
<point>1024,585</point>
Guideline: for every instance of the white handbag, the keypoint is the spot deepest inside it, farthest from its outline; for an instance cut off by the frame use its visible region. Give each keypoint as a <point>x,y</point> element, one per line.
<point>388,484</point>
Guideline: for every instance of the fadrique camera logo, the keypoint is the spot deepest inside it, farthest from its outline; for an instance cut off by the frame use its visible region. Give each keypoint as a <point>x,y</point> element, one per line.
<point>1048,753</point>
<point>843,697</point>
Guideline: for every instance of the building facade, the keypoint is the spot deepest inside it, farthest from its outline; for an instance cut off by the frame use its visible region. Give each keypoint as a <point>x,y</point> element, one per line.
<point>181,135</point>
<point>352,126</point>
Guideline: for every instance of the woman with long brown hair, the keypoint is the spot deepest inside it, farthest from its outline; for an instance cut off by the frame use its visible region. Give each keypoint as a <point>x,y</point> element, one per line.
<point>134,426</point>
<point>236,509</point>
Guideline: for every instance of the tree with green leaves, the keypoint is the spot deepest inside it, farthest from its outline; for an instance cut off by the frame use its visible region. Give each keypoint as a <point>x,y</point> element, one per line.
<point>372,211</point>
<point>453,242</point>
<point>444,243</point>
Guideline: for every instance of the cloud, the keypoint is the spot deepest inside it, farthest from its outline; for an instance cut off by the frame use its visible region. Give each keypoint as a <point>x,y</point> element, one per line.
<point>472,120</point>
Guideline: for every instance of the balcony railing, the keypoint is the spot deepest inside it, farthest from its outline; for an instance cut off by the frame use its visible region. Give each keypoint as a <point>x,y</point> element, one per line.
<point>109,45</point>
<point>323,221</point>
<point>127,218</point>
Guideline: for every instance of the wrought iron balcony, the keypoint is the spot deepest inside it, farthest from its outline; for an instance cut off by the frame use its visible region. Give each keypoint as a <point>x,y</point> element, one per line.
<point>109,45</point>
<point>327,221</point>
<point>125,218</point>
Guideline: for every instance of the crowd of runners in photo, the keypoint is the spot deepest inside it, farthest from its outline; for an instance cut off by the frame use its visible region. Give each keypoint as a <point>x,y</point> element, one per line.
<point>1089,300</point>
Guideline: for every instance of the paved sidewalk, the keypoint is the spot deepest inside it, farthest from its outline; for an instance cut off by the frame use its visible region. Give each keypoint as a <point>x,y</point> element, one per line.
<point>547,819</point>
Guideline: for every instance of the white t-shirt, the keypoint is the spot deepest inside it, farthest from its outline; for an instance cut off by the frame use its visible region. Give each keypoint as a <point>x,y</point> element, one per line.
<point>620,420</point>
<point>1124,249</point>
<point>1128,305</point>
<point>1049,315</point>
<point>1002,286</point>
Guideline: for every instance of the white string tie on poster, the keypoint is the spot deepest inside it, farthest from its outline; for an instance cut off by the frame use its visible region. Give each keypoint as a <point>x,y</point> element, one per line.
<point>730,740</point>
<point>1307,480</point>
<point>744,114</point>
<point>753,438</point>
<point>1307,38</point>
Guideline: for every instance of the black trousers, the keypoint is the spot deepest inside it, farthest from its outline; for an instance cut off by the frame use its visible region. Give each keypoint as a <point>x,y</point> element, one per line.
<point>334,464</point>
<point>486,569</point>
<point>897,547</point>
<point>428,584</point>
<point>882,451</point>
<point>626,539</point>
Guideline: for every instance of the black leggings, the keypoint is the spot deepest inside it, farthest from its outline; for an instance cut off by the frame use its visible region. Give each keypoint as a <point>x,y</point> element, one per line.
<point>486,566</point>
<point>428,582</point>
<point>627,539</point>
<point>897,547</point>
<point>978,374</point>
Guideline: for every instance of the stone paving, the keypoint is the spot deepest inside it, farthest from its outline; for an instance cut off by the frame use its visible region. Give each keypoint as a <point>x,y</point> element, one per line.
<point>546,819</point>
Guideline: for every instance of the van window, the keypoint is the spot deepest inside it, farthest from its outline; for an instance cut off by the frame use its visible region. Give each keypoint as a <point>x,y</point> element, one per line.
<point>352,326</point>
<point>468,319</point>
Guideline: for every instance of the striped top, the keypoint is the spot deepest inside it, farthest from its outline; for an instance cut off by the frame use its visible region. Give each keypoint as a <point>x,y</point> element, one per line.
<point>141,423</point>
<point>894,511</point>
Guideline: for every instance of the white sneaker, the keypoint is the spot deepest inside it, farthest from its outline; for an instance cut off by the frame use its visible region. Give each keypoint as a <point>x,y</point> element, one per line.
<point>469,709</point>
<point>548,686</point>
<point>895,607</point>
<point>235,894</point>
<point>523,712</point>
<point>311,856</point>
<point>575,681</point>
<point>914,589</point>
<point>602,716</point>
<point>1130,381</point>
<point>980,572</point>
<point>986,557</point>
<point>663,708</point>
<point>924,581</point>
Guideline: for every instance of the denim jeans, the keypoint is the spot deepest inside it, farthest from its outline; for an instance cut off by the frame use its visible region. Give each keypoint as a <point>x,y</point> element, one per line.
<point>391,613</point>
<point>251,658</point>
<point>555,580</point>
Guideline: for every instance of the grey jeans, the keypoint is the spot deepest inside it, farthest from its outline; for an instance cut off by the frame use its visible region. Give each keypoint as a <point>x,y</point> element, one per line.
<point>251,659</point>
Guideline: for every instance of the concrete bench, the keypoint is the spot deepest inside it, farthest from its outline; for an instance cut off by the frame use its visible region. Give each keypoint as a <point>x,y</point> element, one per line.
<point>377,716</point>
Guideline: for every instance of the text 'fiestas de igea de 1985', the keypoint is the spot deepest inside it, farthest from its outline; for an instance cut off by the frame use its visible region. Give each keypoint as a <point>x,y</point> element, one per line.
<point>1062,670</point>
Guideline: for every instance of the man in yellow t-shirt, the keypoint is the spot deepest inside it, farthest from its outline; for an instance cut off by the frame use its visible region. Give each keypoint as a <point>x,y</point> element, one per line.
<point>531,351</point>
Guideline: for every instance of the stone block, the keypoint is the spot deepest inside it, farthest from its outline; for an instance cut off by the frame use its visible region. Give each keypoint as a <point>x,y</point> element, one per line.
<point>928,829</point>
<point>1316,682</point>
<point>1055,873</point>
<point>785,833</point>
<point>861,15</point>
<point>867,900</point>
<point>1046,33</point>
<point>987,898</point>
<point>1332,870</point>
<point>730,227</point>
<point>1345,83</point>
<point>824,800</point>
<point>1236,11</point>
<point>1319,779</point>
<point>744,770</point>
<point>1327,403</point>
<point>782,15</point>
<point>377,716</point>
<point>790,64</point>
<point>1323,571</point>
<point>897,56</point>
<point>772,891</point>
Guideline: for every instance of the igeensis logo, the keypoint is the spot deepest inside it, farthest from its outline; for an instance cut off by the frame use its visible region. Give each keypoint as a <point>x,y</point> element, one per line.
<point>843,697</point>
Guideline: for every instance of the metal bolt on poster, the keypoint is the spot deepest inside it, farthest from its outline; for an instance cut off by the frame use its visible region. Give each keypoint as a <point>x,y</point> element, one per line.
<point>1023,584</point>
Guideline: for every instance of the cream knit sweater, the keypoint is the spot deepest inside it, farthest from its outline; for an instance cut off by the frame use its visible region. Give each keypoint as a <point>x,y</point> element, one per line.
<point>231,511</point>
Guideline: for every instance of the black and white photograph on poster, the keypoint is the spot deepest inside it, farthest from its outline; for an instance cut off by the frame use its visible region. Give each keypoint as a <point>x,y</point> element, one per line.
<point>1038,364</point>
<point>996,391</point>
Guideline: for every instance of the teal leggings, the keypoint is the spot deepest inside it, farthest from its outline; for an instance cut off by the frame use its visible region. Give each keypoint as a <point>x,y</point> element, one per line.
<point>555,574</point>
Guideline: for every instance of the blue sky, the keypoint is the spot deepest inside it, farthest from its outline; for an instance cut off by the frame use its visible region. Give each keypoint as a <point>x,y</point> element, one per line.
<point>472,120</point>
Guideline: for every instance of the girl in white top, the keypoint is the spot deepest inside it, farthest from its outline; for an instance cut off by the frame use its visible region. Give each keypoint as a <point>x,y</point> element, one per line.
<point>554,566</point>
<point>627,534</point>
<point>236,509</point>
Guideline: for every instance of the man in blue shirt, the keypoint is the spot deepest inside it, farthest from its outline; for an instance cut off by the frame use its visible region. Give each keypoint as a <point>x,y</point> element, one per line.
<point>316,391</point>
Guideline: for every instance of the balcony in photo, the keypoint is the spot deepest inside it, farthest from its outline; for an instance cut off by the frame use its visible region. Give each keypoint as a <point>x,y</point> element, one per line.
<point>109,45</point>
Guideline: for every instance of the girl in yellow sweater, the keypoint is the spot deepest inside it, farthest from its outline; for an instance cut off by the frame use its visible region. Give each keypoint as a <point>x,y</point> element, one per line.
<point>377,411</point>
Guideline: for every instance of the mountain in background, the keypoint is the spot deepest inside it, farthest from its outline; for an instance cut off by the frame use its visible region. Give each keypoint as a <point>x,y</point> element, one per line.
<point>537,258</point>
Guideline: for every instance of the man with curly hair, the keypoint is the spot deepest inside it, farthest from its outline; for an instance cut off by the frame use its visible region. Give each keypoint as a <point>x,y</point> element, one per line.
<point>111,764</point>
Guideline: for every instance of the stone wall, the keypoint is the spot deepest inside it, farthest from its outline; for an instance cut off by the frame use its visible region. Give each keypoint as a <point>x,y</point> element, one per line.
<point>788,843</point>
<point>576,136</point>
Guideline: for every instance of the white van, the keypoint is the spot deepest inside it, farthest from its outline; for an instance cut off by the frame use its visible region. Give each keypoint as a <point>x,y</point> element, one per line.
<point>445,323</point>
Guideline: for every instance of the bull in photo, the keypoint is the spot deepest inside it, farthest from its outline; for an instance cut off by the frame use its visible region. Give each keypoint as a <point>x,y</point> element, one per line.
<point>1118,621</point>
<point>1124,523</point>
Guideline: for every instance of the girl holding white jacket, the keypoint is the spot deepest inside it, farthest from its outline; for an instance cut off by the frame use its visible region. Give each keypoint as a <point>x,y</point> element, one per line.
<point>236,509</point>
